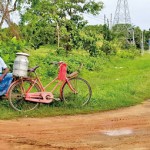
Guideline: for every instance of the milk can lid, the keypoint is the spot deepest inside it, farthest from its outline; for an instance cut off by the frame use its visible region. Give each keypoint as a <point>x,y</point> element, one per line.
<point>24,54</point>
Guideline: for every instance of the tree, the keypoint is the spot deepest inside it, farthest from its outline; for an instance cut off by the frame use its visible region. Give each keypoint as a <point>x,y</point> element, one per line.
<point>106,33</point>
<point>146,39</point>
<point>65,15</point>
<point>6,8</point>
<point>137,32</point>
<point>91,39</point>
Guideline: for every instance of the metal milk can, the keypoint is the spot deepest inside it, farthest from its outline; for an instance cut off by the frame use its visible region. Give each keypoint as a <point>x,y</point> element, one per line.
<point>20,67</point>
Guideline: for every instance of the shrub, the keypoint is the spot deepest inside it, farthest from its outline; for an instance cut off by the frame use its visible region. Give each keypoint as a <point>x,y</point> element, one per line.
<point>108,48</point>
<point>131,53</point>
<point>9,48</point>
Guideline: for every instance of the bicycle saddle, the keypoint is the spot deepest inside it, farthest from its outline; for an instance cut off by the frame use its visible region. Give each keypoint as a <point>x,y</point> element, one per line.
<point>33,69</point>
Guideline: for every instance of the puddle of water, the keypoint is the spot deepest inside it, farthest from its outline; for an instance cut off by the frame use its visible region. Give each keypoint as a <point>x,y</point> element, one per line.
<point>118,132</point>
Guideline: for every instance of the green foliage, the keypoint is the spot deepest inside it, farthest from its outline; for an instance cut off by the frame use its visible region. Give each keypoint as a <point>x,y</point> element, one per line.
<point>41,22</point>
<point>4,35</point>
<point>37,26</point>
<point>93,7</point>
<point>106,33</point>
<point>91,40</point>
<point>131,53</point>
<point>137,35</point>
<point>8,49</point>
<point>116,82</point>
<point>62,22</point>
<point>107,48</point>
<point>146,35</point>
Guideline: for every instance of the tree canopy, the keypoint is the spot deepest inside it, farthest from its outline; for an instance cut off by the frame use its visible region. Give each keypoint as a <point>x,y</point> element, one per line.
<point>61,22</point>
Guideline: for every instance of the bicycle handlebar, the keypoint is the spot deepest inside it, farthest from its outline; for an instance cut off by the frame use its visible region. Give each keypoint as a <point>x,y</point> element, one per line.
<point>61,62</point>
<point>56,63</point>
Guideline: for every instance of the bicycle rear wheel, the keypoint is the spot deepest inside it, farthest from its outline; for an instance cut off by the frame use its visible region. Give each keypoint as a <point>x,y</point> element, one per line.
<point>82,95</point>
<point>17,96</point>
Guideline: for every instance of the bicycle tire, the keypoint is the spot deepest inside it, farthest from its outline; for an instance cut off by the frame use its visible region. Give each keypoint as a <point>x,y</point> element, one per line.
<point>83,95</point>
<point>16,97</point>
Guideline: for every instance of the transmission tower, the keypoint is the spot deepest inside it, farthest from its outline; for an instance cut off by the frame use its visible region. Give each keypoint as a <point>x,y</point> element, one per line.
<point>122,21</point>
<point>122,14</point>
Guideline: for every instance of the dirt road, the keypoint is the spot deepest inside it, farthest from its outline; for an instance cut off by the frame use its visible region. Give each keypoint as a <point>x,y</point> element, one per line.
<point>124,129</point>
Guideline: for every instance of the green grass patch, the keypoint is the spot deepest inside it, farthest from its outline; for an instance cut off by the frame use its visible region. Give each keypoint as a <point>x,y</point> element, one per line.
<point>116,82</point>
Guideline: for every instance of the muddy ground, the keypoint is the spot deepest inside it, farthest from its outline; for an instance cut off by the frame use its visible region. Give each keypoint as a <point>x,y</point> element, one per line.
<point>123,129</point>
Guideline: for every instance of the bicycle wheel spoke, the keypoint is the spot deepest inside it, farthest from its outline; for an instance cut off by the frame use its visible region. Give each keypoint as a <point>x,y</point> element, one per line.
<point>81,94</point>
<point>16,96</point>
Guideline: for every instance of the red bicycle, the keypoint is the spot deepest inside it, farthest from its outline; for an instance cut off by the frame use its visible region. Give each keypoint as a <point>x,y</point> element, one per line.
<point>26,94</point>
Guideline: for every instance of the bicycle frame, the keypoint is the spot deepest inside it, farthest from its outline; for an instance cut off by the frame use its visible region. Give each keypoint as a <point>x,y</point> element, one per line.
<point>26,93</point>
<point>44,93</point>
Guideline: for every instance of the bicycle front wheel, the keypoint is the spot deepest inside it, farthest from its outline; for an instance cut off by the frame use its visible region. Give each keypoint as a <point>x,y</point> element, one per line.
<point>81,94</point>
<point>17,96</point>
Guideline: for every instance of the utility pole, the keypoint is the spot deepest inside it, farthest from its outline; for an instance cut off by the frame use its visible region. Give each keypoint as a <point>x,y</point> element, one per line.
<point>133,36</point>
<point>110,21</point>
<point>142,43</point>
<point>149,44</point>
<point>104,19</point>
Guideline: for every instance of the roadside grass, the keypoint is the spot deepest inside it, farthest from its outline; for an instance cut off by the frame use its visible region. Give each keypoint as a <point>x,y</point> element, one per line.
<point>115,84</point>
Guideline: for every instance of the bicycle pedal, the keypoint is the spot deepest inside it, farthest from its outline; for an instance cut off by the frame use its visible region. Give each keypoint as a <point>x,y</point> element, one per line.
<point>57,99</point>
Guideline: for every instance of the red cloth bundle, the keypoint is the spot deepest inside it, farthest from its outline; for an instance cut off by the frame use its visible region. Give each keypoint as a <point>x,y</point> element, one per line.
<point>62,72</point>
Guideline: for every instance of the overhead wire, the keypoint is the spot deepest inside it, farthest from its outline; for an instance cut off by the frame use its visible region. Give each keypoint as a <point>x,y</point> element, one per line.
<point>94,17</point>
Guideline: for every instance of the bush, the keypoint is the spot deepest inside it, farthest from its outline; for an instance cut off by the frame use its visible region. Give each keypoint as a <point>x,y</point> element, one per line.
<point>9,48</point>
<point>131,53</point>
<point>108,48</point>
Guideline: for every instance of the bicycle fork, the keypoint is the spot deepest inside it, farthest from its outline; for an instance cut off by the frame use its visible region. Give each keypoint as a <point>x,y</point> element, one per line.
<point>71,87</point>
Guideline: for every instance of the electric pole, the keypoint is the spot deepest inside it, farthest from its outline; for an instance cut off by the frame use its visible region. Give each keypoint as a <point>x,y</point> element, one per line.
<point>108,24</point>
<point>133,36</point>
<point>149,44</point>
<point>142,43</point>
<point>104,19</point>
<point>110,21</point>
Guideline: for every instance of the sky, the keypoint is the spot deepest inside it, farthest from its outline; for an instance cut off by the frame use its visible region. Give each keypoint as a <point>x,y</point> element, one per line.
<point>139,13</point>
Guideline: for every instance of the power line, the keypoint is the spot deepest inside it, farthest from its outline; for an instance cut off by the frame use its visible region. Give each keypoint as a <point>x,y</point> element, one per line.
<point>107,21</point>
<point>94,17</point>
